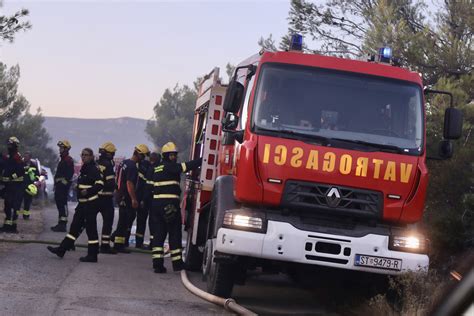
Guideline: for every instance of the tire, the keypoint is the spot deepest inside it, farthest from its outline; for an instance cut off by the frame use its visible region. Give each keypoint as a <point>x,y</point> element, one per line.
<point>220,280</point>
<point>193,258</point>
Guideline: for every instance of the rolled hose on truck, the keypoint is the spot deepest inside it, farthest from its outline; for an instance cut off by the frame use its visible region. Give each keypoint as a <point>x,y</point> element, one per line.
<point>228,303</point>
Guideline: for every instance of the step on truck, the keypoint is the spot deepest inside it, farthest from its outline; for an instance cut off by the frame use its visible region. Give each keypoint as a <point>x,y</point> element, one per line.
<point>313,160</point>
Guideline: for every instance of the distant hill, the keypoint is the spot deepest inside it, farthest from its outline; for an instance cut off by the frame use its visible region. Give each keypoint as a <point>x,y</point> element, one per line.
<point>124,132</point>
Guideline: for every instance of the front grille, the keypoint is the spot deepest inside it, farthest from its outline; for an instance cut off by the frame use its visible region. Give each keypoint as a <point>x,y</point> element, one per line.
<point>341,200</point>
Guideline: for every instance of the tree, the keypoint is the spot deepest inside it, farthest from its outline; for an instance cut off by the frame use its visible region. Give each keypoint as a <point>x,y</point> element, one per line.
<point>174,116</point>
<point>10,25</point>
<point>16,119</point>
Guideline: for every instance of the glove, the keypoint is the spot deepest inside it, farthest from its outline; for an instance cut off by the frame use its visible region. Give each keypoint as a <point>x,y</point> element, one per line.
<point>170,212</point>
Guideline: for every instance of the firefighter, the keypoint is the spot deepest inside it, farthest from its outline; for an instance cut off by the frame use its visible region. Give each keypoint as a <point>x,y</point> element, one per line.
<point>165,214</point>
<point>13,177</point>
<point>31,176</point>
<point>155,160</point>
<point>142,211</point>
<point>126,196</point>
<point>62,184</point>
<point>106,196</point>
<point>89,184</point>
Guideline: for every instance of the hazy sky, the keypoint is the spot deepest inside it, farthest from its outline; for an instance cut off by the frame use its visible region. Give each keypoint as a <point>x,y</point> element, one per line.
<point>102,59</point>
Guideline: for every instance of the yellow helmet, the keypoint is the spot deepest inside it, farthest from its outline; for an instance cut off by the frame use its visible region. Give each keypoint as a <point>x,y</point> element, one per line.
<point>169,147</point>
<point>13,141</point>
<point>108,147</point>
<point>31,189</point>
<point>142,149</point>
<point>64,143</point>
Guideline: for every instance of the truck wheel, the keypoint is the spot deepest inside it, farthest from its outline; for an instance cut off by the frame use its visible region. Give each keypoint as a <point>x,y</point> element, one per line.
<point>220,278</point>
<point>193,258</point>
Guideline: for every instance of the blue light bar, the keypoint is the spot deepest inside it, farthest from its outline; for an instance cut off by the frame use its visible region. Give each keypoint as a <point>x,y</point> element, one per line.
<point>385,52</point>
<point>296,42</point>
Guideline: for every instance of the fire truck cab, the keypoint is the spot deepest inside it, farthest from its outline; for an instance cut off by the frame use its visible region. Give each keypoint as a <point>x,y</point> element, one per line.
<point>309,159</point>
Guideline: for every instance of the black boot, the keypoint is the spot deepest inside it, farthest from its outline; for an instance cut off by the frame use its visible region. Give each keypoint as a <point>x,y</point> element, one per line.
<point>139,243</point>
<point>105,248</point>
<point>58,251</point>
<point>60,227</point>
<point>92,251</point>
<point>159,269</point>
<point>178,265</point>
<point>121,248</point>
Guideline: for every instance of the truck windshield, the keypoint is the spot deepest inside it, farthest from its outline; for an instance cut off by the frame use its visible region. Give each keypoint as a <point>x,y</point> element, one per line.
<point>304,102</point>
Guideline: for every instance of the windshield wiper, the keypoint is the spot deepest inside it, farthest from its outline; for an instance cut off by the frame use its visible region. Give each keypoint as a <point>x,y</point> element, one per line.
<point>374,146</point>
<point>282,132</point>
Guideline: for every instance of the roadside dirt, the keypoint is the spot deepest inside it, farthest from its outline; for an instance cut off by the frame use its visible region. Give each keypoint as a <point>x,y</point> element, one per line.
<point>28,229</point>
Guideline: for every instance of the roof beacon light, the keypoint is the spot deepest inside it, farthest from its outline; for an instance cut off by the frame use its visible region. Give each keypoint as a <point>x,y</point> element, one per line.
<point>296,42</point>
<point>385,54</point>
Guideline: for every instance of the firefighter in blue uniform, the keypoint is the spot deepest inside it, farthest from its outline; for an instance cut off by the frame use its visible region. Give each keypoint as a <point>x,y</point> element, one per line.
<point>165,214</point>
<point>31,176</point>
<point>13,177</point>
<point>62,184</point>
<point>106,196</point>
<point>89,184</point>
<point>126,196</point>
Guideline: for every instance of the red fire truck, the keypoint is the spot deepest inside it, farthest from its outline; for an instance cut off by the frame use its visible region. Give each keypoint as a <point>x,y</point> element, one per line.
<point>310,159</point>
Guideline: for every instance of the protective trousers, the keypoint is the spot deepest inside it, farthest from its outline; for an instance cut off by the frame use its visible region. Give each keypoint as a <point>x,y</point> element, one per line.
<point>142,215</point>
<point>13,197</point>
<point>85,216</point>
<point>27,200</point>
<point>165,223</point>
<point>106,208</point>
<point>60,196</point>
<point>122,233</point>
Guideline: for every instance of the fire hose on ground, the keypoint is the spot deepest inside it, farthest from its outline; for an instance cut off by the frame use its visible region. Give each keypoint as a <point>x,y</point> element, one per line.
<point>227,303</point>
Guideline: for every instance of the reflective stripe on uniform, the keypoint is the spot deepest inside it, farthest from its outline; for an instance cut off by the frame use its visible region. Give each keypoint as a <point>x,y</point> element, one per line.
<point>157,249</point>
<point>92,242</point>
<point>106,193</point>
<point>183,166</point>
<point>166,196</point>
<point>158,256</point>
<point>105,236</point>
<point>142,176</point>
<point>105,242</point>
<point>110,177</point>
<point>92,198</point>
<point>63,219</point>
<point>163,183</point>
<point>8,222</point>
<point>159,168</point>
<point>99,182</point>
<point>25,212</point>
<point>18,179</point>
<point>119,240</point>
<point>71,237</point>
<point>175,251</point>
<point>150,182</point>
<point>138,235</point>
<point>84,186</point>
<point>175,258</point>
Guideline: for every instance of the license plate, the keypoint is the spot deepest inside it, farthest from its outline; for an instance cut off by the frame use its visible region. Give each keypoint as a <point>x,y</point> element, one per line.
<point>378,262</point>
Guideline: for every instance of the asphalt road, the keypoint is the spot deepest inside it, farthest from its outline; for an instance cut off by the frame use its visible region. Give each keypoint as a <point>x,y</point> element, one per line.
<point>35,282</point>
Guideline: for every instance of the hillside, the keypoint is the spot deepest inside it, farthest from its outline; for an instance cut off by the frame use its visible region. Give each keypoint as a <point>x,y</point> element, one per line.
<point>124,132</point>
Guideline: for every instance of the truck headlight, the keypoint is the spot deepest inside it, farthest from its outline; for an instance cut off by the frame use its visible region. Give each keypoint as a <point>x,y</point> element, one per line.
<point>244,221</point>
<point>410,243</point>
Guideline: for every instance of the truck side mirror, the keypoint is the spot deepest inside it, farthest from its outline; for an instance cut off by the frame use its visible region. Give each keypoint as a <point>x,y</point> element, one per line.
<point>233,97</point>
<point>230,122</point>
<point>452,123</point>
<point>445,150</point>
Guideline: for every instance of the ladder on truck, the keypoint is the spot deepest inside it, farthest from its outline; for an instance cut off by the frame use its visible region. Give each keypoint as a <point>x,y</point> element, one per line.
<point>208,115</point>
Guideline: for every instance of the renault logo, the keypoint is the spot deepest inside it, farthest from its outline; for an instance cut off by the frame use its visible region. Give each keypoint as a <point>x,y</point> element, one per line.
<point>333,197</point>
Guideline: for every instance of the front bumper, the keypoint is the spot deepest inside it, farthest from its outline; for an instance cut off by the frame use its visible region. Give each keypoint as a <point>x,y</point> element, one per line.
<point>284,242</point>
